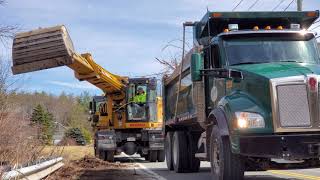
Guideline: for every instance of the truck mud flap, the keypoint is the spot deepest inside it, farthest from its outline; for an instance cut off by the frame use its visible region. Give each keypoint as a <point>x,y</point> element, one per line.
<point>41,49</point>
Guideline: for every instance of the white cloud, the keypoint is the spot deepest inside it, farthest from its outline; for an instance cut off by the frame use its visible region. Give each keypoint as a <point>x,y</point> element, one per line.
<point>78,85</point>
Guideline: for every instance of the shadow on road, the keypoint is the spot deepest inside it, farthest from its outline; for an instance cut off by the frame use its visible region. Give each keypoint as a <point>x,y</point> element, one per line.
<point>111,174</point>
<point>204,173</point>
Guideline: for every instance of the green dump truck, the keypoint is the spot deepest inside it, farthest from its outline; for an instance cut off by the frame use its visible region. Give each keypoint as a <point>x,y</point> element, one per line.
<point>246,96</point>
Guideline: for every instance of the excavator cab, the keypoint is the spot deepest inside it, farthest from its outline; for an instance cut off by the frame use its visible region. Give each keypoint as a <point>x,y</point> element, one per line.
<point>97,108</point>
<point>141,98</point>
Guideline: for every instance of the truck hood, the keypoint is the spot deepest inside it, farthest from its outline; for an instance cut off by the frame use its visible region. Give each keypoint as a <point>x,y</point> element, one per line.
<point>278,70</point>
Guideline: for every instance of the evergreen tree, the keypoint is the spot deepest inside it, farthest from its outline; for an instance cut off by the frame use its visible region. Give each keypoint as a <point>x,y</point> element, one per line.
<point>84,100</point>
<point>44,120</point>
<point>37,114</point>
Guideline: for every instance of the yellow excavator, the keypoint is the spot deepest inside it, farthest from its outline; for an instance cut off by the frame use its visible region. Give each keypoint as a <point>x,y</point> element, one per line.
<point>121,124</point>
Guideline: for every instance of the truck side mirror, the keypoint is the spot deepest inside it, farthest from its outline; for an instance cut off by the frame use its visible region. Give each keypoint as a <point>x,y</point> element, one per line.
<point>196,66</point>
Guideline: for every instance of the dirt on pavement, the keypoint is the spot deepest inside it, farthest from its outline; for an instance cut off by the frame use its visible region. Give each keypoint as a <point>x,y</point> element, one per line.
<point>95,169</point>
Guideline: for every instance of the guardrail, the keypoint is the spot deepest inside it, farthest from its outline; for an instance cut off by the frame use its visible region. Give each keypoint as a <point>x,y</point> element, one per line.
<point>35,172</point>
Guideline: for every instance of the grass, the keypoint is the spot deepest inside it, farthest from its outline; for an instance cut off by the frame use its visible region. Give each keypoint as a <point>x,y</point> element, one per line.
<point>68,152</point>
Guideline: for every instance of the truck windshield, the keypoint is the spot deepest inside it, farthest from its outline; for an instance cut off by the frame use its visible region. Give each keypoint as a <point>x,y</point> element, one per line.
<point>270,49</point>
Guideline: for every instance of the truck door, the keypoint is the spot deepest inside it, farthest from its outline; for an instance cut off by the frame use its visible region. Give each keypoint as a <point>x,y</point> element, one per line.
<point>214,87</point>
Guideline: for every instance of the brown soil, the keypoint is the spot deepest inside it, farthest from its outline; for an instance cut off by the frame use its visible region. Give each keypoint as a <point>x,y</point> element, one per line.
<point>68,142</point>
<point>96,169</point>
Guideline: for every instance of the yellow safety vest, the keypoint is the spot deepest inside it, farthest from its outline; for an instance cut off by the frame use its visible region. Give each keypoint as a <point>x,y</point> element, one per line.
<point>140,98</point>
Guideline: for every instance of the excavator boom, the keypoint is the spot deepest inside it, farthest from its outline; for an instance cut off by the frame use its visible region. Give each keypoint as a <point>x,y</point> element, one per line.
<point>129,126</point>
<point>52,47</point>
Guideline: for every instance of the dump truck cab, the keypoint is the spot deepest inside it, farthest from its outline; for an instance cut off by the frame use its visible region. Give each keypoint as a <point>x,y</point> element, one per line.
<point>247,95</point>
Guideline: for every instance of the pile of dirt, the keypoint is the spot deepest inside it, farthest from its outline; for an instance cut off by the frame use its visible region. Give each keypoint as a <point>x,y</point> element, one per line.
<point>90,168</point>
<point>66,141</point>
<point>92,162</point>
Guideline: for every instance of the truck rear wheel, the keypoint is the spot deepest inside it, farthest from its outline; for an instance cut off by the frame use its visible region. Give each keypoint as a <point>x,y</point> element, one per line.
<point>153,156</point>
<point>168,150</point>
<point>161,155</point>
<point>224,164</point>
<point>179,152</point>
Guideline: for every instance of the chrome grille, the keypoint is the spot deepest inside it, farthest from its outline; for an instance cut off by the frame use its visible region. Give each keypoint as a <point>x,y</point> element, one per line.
<point>293,105</point>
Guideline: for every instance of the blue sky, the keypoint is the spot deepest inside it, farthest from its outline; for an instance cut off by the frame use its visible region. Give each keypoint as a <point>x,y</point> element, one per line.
<point>124,36</point>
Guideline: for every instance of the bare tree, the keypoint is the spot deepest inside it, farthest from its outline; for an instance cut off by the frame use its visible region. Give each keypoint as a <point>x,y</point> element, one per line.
<point>6,31</point>
<point>172,56</point>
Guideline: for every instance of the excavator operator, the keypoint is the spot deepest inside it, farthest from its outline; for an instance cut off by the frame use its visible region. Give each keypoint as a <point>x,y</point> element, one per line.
<point>140,97</point>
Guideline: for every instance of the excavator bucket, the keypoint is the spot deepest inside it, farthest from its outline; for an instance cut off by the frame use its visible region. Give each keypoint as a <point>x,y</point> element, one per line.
<point>41,49</point>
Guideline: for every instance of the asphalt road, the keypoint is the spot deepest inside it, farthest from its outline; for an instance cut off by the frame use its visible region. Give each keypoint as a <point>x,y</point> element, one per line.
<point>159,171</point>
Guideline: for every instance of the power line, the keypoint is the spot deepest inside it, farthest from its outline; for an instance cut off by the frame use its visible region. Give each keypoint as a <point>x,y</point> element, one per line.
<point>288,5</point>
<point>253,5</point>
<point>281,1</point>
<point>237,5</point>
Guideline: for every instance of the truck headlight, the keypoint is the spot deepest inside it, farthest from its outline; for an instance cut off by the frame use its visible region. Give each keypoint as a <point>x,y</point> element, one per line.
<point>249,120</point>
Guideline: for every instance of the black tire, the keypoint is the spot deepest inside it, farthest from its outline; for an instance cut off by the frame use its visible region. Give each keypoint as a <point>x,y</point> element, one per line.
<point>109,156</point>
<point>102,155</point>
<point>179,152</point>
<point>96,153</point>
<point>224,164</point>
<point>153,156</point>
<point>194,163</point>
<point>168,150</point>
<point>161,156</point>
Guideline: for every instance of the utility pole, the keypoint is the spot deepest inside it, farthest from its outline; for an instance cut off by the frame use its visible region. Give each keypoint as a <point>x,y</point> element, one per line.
<point>299,5</point>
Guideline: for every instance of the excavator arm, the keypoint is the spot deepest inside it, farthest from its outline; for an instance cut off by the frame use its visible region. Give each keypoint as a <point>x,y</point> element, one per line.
<point>52,47</point>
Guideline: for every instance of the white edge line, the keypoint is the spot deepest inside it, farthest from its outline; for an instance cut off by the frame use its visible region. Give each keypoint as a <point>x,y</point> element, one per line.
<point>154,175</point>
<point>144,168</point>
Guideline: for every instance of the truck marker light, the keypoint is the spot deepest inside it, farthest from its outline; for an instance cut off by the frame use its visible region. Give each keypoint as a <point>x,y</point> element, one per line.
<point>256,28</point>
<point>312,14</point>
<point>229,84</point>
<point>312,83</point>
<point>216,15</point>
<point>280,28</point>
<point>267,28</point>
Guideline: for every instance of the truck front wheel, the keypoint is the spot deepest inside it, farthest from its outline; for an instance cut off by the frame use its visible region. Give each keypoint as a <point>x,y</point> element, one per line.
<point>224,164</point>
